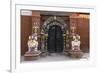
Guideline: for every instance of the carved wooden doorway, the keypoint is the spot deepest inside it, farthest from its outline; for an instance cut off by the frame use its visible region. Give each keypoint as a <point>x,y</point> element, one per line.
<point>55,39</point>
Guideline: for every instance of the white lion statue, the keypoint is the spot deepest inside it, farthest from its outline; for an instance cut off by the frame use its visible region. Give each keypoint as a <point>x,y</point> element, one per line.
<point>32,43</point>
<point>76,42</point>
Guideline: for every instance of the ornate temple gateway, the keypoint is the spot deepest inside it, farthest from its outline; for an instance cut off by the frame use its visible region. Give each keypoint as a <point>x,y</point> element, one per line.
<point>54,32</point>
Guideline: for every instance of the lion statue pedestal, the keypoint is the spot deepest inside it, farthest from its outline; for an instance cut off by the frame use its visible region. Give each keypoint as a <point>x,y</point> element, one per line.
<point>75,52</point>
<point>33,53</point>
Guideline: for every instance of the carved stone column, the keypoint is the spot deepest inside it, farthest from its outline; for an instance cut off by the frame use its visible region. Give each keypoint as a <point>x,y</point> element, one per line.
<point>73,23</point>
<point>35,22</point>
<point>73,27</point>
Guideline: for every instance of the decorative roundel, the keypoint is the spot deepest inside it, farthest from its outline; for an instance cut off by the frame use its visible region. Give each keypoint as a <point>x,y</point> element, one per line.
<point>54,21</point>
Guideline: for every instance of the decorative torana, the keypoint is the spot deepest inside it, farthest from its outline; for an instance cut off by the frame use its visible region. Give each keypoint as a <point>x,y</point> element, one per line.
<point>54,21</point>
<point>45,28</point>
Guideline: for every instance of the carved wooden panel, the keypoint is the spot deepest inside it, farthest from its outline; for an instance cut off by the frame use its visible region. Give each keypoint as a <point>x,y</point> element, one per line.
<point>26,30</point>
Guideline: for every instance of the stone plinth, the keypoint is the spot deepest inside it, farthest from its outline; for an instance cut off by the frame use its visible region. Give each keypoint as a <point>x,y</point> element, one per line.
<point>75,53</point>
<point>32,55</point>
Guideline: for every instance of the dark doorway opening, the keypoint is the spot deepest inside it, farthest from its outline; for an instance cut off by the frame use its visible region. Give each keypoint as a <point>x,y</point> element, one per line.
<point>55,39</point>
